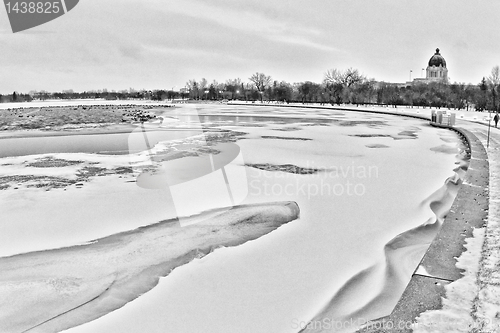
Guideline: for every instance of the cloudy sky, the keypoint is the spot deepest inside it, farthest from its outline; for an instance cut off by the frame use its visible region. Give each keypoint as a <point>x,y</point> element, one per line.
<point>160,44</point>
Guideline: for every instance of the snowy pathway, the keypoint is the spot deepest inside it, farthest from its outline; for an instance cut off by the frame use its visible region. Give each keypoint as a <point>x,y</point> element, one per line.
<point>472,303</point>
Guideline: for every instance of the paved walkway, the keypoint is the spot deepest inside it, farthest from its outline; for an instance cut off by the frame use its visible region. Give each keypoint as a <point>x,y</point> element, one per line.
<point>473,301</point>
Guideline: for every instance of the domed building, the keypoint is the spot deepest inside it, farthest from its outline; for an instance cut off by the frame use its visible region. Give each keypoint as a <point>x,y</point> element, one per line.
<point>436,70</point>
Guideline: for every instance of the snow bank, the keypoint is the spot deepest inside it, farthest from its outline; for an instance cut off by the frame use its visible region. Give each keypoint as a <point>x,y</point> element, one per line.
<point>61,288</point>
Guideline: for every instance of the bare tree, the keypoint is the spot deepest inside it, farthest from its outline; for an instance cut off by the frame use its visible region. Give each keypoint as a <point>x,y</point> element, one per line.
<point>333,85</point>
<point>261,82</point>
<point>494,83</point>
<point>339,84</point>
<point>494,78</point>
<point>346,78</point>
<point>353,76</point>
<point>333,76</point>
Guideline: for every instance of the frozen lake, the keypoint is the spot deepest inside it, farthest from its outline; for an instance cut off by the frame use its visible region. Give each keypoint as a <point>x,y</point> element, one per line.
<point>359,179</point>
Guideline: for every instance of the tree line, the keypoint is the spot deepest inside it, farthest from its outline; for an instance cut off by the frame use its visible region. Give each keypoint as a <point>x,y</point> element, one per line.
<point>92,94</point>
<point>338,87</point>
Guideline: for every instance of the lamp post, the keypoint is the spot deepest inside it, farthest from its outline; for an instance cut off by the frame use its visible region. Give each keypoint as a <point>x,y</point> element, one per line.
<point>410,74</point>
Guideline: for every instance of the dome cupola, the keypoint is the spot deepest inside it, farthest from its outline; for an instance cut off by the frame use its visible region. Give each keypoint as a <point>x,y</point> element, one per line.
<point>437,60</point>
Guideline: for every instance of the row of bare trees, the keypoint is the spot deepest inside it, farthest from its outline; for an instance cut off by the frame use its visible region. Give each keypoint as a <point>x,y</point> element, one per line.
<point>351,87</point>
<point>92,94</point>
<point>231,89</point>
<point>338,87</point>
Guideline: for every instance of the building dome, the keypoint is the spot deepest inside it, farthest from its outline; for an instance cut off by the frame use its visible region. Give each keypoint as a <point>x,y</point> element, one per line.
<point>437,60</point>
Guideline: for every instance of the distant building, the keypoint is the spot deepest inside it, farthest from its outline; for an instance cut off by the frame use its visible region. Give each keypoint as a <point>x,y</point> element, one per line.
<point>436,70</point>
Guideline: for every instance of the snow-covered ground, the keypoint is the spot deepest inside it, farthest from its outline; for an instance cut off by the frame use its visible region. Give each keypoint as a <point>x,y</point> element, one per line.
<point>360,181</point>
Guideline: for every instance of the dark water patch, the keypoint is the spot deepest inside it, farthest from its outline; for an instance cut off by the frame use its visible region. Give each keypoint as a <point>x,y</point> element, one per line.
<point>316,124</point>
<point>369,123</point>
<point>287,129</point>
<point>372,135</point>
<point>400,136</point>
<point>122,170</point>
<point>109,144</point>
<point>289,168</point>
<point>251,124</point>
<point>284,138</point>
<point>445,149</point>
<point>409,134</point>
<point>377,145</point>
<point>213,138</point>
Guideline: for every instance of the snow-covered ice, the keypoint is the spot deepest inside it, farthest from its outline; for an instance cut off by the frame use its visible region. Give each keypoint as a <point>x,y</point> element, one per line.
<point>366,178</point>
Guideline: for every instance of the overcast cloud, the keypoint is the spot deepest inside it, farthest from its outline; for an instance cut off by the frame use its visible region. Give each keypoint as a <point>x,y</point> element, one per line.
<point>160,44</point>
